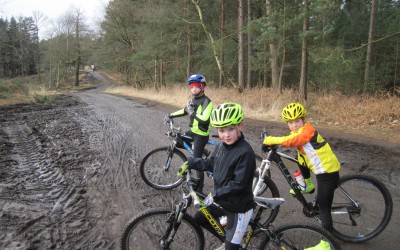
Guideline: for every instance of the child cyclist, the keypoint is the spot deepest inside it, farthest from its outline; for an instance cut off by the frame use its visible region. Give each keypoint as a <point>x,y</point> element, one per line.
<point>199,109</point>
<point>315,154</point>
<point>233,165</point>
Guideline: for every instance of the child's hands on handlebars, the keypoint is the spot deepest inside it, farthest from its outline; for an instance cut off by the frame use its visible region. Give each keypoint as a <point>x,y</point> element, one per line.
<point>270,141</point>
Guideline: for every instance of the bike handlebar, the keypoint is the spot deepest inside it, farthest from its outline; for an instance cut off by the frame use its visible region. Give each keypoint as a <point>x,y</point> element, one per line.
<point>265,133</point>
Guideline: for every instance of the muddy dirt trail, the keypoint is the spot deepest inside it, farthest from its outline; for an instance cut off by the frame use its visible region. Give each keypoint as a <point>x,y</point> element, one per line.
<point>69,174</point>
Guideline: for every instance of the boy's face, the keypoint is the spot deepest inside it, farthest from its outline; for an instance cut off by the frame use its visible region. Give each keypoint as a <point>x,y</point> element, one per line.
<point>230,134</point>
<point>296,124</point>
<point>194,89</point>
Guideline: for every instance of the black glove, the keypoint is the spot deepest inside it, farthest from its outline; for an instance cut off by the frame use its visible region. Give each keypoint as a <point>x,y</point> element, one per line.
<point>264,148</point>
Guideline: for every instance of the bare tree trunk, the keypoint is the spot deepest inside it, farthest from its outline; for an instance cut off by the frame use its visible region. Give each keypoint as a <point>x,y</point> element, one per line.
<point>374,7</point>
<point>39,19</point>
<point>249,48</point>
<point>213,45</point>
<point>280,87</point>
<point>78,57</point>
<point>189,42</point>
<point>155,74</point>
<point>240,46</point>
<point>274,53</point>
<point>304,55</point>
<point>221,37</point>
<point>162,78</point>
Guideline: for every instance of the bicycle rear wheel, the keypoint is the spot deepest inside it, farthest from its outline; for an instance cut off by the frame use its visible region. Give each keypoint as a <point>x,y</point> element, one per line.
<point>160,166</point>
<point>149,230</point>
<point>361,209</point>
<point>298,236</point>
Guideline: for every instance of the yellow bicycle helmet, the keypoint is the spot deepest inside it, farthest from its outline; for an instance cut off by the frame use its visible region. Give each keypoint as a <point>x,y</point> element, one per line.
<point>226,114</point>
<point>293,111</point>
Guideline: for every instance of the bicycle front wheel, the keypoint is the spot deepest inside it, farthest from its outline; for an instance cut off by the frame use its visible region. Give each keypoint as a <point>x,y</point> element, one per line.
<point>269,190</point>
<point>361,209</point>
<point>299,236</point>
<point>160,166</point>
<point>150,230</point>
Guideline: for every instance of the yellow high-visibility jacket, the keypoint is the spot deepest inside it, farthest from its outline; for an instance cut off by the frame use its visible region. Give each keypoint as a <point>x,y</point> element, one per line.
<point>312,149</point>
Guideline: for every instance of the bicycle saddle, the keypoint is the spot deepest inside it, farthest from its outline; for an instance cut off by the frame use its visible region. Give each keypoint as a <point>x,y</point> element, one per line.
<point>269,202</point>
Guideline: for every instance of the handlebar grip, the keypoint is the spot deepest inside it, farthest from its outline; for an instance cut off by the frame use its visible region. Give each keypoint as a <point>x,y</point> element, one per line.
<point>265,133</point>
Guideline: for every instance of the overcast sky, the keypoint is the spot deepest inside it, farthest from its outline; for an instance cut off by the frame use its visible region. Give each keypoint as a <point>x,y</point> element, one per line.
<point>93,9</point>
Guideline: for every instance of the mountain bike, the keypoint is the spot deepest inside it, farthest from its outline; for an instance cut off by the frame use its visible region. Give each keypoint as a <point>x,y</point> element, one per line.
<point>158,167</point>
<point>362,205</point>
<point>175,228</point>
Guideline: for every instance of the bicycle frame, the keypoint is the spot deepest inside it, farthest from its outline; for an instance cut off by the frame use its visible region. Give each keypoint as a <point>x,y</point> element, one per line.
<point>254,226</point>
<point>276,157</point>
<point>310,209</point>
<point>175,133</point>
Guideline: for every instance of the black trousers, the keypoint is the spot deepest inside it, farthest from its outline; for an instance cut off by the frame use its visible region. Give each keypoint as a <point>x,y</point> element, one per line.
<point>199,143</point>
<point>327,183</point>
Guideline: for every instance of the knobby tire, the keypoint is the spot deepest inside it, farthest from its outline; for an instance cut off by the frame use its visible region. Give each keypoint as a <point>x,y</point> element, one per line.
<point>152,168</point>
<point>375,203</point>
<point>147,229</point>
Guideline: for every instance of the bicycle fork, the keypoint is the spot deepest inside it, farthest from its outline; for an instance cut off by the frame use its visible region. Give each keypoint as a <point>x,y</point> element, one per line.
<point>262,170</point>
<point>170,153</point>
<point>174,220</point>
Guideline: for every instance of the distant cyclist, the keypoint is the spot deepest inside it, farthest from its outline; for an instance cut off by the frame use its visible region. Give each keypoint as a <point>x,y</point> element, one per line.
<point>199,109</point>
<point>315,154</point>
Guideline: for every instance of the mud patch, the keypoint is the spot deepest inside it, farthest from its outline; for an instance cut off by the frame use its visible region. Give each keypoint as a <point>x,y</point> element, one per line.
<point>43,189</point>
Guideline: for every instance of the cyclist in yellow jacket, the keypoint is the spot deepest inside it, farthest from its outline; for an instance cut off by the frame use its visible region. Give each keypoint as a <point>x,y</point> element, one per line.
<point>199,108</point>
<point>315,154</point>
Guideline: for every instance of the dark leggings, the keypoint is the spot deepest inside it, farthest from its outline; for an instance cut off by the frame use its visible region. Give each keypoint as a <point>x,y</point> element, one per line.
<point>327,183</point>
<point>199,143</point>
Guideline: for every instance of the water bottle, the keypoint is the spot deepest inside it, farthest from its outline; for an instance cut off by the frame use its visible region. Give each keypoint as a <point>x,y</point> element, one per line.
<point>223,220</point>
<point>300,180</point>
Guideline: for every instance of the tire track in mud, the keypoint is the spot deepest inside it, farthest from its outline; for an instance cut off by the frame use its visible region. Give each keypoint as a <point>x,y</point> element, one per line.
<point>42,185</point>
<point>122,138</point>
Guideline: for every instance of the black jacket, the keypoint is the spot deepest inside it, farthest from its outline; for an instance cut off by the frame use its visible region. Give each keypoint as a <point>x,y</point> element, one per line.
<point>233,168</point>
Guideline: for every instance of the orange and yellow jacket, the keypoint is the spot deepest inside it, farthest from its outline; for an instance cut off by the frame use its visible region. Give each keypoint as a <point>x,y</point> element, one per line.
<point>312,149</point>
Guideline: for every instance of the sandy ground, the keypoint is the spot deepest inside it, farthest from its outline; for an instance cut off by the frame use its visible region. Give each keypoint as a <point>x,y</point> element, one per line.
<point>69,174</point>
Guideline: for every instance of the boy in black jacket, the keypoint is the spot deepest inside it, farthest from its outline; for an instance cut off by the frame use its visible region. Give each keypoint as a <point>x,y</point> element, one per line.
<point>233,165</point>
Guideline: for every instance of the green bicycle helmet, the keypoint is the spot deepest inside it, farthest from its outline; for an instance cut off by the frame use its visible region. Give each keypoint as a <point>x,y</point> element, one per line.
<point>293,111</point>
<point>227,114</point>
